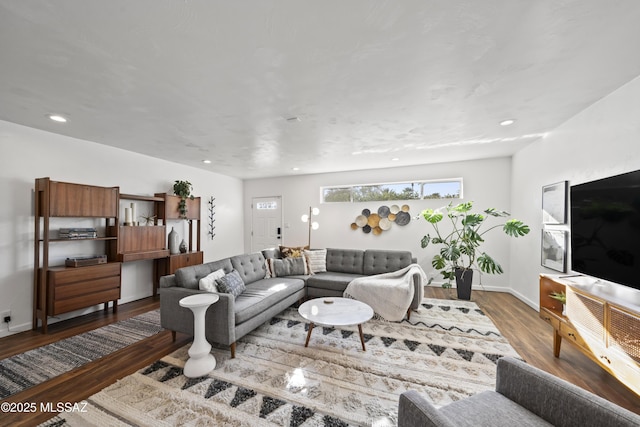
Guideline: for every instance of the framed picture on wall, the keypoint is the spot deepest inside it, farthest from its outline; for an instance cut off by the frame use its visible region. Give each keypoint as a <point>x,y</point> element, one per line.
<point>554,250</point>
<point>554,203</point>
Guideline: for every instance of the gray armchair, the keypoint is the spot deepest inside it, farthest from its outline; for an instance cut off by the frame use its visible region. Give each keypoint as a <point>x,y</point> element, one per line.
<point>524,396</point>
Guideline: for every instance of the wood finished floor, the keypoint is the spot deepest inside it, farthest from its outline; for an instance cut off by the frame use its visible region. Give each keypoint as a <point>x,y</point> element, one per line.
<point>519,323</point>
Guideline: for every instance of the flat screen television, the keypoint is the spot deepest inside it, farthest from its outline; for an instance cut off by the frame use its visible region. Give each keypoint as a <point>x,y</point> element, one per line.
<point>605,229</point>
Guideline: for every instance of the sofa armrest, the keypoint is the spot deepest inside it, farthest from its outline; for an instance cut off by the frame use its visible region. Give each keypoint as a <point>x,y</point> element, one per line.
<point>418,293</point>
<point>557,401</point>
<point>416,411</point>
<point>168,281</point>
<point>219,320</point>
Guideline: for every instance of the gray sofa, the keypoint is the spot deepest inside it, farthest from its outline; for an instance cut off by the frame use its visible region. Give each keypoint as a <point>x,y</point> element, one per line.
<point>230,319</point>
<point>524,396</point>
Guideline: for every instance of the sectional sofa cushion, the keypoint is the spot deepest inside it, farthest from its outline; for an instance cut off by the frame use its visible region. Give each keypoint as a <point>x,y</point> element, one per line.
<point>332,280</point>
<point>262,295</point>
<point>190,277</point>
<point>251,267</point>
<point>345,261</point>
<point>231,284</point>
<point>381,261</point>
<point>208,283</point>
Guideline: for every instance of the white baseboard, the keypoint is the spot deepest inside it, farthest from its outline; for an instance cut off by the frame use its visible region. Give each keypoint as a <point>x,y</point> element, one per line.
<point>518,295</point>
<point>14,329</point>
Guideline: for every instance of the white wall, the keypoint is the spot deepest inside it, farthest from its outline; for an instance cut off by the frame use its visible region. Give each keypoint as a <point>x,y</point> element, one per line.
<point>601,141</point>
<point>486,182</point>
<point>27,154</point>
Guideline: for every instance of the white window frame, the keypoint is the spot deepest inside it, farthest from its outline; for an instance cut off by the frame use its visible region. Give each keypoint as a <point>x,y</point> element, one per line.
<point>421,183</point>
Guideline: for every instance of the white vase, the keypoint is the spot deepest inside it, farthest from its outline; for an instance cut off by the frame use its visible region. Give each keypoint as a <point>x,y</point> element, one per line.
<point>174,242</point>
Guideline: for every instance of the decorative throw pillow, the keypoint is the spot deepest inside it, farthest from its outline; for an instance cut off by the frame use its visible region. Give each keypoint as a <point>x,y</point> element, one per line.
<point>288,267</point>
<point>208,283</point>
<point>292,251</point>
<point>316,260</point>
<point>231,284</point>
<point>267,265</point>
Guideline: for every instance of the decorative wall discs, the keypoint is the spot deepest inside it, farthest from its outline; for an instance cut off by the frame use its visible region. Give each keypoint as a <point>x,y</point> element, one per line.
<point>384,211</point>
<point>385,217</point>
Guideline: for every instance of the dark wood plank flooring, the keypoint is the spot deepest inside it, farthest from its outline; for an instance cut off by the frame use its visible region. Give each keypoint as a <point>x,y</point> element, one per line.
<point>519,323</point>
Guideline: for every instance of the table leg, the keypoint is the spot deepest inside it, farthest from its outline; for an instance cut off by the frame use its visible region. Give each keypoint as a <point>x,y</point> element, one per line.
<point>361,337</point>
<point>306,343</point>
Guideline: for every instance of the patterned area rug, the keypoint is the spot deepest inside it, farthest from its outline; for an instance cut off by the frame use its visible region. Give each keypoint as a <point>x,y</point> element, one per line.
<point>448,351</point>
<point>35,366</point>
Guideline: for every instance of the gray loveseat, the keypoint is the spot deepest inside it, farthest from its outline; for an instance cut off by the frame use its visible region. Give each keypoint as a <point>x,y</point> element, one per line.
<point>230,319</point>
<point>524,396</point>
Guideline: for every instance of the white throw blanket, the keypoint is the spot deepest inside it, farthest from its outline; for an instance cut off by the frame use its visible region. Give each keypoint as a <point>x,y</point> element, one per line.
<point>388,294</point>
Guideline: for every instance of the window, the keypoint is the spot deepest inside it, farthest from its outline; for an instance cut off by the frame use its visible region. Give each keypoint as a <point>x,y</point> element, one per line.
<point>266,205</point>
<point>415,190</point>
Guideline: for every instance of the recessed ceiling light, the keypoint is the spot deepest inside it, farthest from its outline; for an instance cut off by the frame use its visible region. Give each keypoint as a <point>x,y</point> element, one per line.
<point>507,122</point>
<point>206,161</point>
<point>395,159</point>
<point>57,118</point>
<point>295,169</point>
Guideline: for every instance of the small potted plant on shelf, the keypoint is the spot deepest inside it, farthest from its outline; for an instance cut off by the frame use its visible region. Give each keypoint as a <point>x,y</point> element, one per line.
<point>183,189</point>
<point>460,251</point>
<point>562,297</point>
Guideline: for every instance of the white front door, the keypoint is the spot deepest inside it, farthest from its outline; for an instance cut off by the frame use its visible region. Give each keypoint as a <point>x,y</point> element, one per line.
<point>266,224</point>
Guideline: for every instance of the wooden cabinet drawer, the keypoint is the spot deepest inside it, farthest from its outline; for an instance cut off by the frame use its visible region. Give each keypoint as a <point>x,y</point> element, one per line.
<point>62,275</point>
<point>83,301</point>
<point>71,289</point>
<point>184,260</point>
<point>566,331</point>
<point>550,318</point>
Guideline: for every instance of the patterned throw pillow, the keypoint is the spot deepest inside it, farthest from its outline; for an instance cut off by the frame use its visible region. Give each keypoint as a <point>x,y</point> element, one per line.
<point>231,284</point>
<point>288,266</point>
<point>316,260</point>
<point>291,251</point>
<point>208,283</point>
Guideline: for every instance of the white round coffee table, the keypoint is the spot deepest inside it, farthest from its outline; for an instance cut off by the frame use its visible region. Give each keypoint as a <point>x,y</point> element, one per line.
<point>335,312</point>
<point>201,361</point>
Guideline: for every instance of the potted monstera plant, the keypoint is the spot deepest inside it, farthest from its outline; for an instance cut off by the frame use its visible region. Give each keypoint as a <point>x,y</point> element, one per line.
<point>460,247</point>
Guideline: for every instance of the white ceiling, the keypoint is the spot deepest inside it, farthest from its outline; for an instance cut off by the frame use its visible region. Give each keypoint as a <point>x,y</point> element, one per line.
<point>369,80</point>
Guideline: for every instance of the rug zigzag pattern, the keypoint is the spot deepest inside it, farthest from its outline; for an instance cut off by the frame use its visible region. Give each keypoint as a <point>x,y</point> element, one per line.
<point>275,380</point>
<point>24,370</point>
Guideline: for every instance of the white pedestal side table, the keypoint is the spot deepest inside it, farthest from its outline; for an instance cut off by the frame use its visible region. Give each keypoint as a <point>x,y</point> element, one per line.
<point>201,361</point>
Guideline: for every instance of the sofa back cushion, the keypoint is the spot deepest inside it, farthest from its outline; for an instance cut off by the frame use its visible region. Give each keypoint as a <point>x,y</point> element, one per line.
<point>381,261</point>
<point>189,277</point>
<point>345,260</point>
<point>251,267</point>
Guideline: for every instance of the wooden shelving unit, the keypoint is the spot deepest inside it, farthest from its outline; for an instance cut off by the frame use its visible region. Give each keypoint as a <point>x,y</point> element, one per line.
<point>136,243</point>
<point>60,289</point>
<point>604,330</point>
<point>167,210</point>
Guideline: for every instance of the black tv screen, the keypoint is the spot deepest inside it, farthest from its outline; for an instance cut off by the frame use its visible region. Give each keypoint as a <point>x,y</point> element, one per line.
<point>605,229</point>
